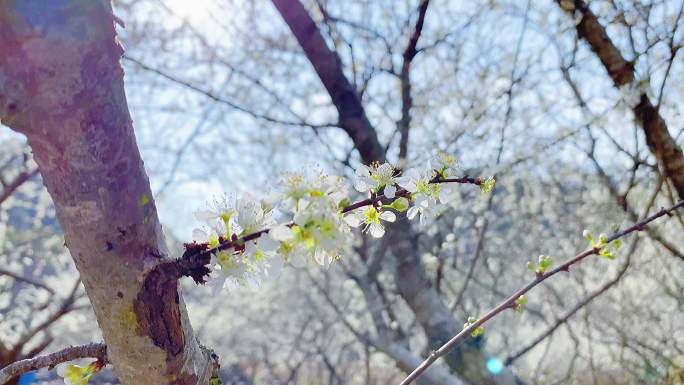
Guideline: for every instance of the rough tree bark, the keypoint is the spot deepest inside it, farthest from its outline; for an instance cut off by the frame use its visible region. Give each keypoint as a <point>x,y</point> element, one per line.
<point>328,66</point>
<point>469,360</point>
<point>61,84</point>
<point>621,71</point>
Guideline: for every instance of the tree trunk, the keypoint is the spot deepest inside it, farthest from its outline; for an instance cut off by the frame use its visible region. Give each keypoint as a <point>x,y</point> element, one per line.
<point>61,84</point>
<point>669,155</point>
<point>328,66</point>
<point>468,361</point>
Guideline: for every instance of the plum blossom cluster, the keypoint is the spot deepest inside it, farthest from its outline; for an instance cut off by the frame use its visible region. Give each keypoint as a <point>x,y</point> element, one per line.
<point>309,219</point>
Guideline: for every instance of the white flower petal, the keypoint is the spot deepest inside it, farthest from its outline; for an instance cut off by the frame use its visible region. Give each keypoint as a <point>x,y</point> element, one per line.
<point>353,219</point>
<point>267,244</point>
<point>61,369</point>
<point>361,185</point>
<point>250,247</point>
<point>377,230</point>
<point>281,233</point>
<point>385,169</point>
<point>412,212</point>
<point>363,171</point>
<point>390,191</point>
<point>276,266</point>
<point>446,194</point>
<point>388,216</point>
<point>216,284</point>
<point>298,259</point>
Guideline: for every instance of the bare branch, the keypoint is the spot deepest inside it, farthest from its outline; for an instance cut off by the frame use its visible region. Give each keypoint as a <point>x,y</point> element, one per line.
<point>219,99</point>
<point>562,320</point>
<point>510,302</point>
<point>328,66</point>
<point>63,309</point>
<point>16,183</point>
<point>24,279</point>
<point>94,350</point>
<point>669,155</point>
<point>405,79</point>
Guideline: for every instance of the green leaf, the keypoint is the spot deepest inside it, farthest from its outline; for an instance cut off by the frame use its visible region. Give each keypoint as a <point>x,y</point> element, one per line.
<point>607,254</point>
<point>603,239</point>
<point>519,303</point>
<point>545,261</point>
<point>478,331</point>
<point>487,185</point>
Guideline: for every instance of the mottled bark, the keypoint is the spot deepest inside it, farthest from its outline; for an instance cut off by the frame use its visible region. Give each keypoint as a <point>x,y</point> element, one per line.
<point>61,85</point>
<point>328,66</point>
<point>662,145</point>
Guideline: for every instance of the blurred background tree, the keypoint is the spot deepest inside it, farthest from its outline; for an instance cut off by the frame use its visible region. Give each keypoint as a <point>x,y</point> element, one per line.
<point>224,99</point>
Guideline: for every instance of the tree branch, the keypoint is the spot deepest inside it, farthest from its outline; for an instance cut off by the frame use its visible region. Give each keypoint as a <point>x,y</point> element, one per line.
<point>193,263</point>
<point>28,280</point>
<point>219,99</point>
<point>562,320</point>
<point>328,66</point>
<point>510,302</point>
<point>63,309</point>
<point>94,350</point>
<point>405,79</point>
<point>16,183</point>
<point>669,155</point>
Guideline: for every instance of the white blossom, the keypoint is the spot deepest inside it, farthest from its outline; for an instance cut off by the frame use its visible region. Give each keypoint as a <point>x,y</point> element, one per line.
<point>376,177</point>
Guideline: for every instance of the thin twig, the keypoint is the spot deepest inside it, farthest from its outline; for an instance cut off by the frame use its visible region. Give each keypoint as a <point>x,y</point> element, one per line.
<point>16,183</point>
<point>13,370</point>
<point>562,320</point>
<point>222,100</point>
<point>64,308</point>
<point>28,280</point>
<point>510,302</point>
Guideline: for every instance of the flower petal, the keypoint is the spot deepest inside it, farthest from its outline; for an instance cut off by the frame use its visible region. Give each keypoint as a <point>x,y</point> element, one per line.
<point>412,212</point>
<point>267,244</point>
<point>390,191</point>
<point>353,219</point>
<point>281,233</point>
<point>361,185</point>
<point>377,230</point>
<point>363,171</point>
<point>276,266</point>
<point>388,216</point>
<point>385,169</point>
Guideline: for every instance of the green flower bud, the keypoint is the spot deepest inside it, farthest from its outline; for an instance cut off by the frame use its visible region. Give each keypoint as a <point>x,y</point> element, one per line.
<point>400,204</point>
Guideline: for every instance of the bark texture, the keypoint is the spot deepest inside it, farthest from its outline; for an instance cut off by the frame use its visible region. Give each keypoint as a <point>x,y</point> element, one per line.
<point>662,145</point>
<point>61,84</point>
